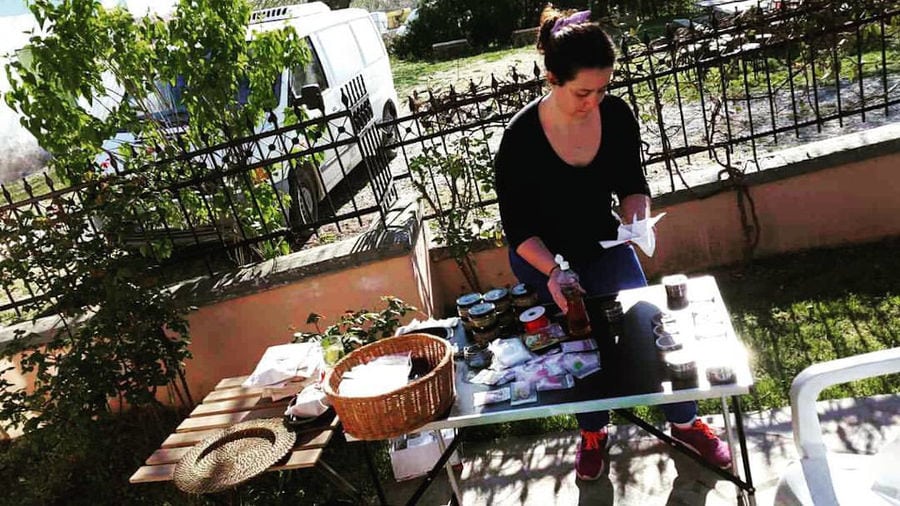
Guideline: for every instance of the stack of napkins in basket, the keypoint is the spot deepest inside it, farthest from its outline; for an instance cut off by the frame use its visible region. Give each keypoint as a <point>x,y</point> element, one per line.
<point>379,376</point>
<point>415,324</point>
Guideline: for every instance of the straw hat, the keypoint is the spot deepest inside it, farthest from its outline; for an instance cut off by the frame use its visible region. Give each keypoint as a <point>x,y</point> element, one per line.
<point>233,456</point>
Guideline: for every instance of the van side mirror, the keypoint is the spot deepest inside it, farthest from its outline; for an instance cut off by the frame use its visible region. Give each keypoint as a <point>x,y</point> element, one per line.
<point>311,97</point>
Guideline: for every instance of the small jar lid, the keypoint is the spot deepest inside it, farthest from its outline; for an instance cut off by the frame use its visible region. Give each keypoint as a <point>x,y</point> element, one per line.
<point>520,290</point>
<point>674,280</point>
<point>667,343</point>
<point>495,294</point>
<point>481,309</point>
<point>680,360</point>
<point>532,314</point>
<point>469,299</point>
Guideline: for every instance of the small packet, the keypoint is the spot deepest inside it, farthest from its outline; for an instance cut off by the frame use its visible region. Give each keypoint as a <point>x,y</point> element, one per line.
<point>509,352</point>
<point>531,372</point>
<point>554,331</point>
<point>492,377</point>
<point>582,364</point>
<point>522,392</point>
<point>491,396</point>
<point>561,382</point>
<point>579,346</point>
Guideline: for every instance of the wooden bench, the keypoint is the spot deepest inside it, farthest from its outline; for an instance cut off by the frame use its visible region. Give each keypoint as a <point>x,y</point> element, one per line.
<point>228,404</point>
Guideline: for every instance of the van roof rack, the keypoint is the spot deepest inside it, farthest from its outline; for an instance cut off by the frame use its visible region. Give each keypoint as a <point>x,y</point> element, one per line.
<point>288,12</point>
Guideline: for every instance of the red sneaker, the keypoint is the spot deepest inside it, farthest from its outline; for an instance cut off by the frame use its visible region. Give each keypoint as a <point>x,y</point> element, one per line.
<point>589,459</point>
<point>701,438</point>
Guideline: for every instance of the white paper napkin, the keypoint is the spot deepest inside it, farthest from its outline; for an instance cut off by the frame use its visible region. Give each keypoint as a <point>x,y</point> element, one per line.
<point>639,232</point>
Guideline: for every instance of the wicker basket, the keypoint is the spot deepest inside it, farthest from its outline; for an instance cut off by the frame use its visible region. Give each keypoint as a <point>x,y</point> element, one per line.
<point>402,410</point>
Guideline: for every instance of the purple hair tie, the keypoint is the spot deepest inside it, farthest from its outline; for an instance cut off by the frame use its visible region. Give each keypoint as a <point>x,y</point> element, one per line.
<point>574,19</point>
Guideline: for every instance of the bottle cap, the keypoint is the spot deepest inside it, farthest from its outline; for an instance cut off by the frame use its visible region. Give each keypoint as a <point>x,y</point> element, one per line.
<point>563,265</point>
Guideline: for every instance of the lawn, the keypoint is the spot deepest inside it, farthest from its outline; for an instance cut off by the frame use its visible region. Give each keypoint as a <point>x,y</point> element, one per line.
<point>791,310</point>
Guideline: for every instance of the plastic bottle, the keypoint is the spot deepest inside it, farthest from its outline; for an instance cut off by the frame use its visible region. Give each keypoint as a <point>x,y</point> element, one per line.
<point>576,316</point>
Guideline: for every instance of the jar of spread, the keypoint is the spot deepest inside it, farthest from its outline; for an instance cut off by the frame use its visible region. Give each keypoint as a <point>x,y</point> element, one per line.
<point>483,315</point>
<point>484,335</point>
<point>465,302</point>
<point>500,298</point>
<point>681,365</point>
<point>523,297</point>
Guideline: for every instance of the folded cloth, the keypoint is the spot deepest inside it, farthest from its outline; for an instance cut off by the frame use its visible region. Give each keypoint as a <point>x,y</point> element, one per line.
<point>311,402</point>
<point>286,361</point>
<point>639,232</point>
<point>447,323</point>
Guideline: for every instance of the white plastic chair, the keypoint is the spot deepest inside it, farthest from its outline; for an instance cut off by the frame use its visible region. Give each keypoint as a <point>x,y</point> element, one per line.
<point>825,479</point>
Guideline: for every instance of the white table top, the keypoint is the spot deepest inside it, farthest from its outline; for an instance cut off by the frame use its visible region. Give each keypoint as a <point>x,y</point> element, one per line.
<point>632,373</point>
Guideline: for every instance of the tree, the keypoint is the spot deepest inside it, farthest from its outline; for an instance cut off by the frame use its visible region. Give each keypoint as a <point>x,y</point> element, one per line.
<point>90,73</point>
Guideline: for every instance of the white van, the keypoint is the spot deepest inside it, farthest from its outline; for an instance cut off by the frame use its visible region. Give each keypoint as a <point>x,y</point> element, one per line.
<point>344,44</point>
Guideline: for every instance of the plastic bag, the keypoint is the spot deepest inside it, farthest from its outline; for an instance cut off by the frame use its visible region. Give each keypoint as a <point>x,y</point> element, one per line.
<point>509,352</point>
<point>582,364</point>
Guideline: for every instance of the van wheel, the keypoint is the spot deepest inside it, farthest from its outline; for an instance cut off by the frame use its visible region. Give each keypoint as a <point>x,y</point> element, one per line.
<point>304,199</point>
<point>390,134</point>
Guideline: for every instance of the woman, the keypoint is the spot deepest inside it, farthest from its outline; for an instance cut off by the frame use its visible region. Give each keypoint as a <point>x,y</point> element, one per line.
<point>559,162</point>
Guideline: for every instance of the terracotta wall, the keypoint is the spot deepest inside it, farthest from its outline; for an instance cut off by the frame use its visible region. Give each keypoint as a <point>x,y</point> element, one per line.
<point>229,337</point>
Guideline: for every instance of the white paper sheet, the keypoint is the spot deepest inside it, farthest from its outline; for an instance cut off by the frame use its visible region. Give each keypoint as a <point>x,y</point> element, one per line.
<point>639,232</point>
<point>286,361</point>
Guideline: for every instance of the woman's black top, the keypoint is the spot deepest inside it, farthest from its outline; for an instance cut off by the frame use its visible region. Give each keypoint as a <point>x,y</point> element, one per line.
<point>568,207</point>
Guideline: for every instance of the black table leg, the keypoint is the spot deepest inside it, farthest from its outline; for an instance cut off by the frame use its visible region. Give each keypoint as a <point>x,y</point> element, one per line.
<point>745,457</point>
<point>434,472</point>
<point>374,474</point>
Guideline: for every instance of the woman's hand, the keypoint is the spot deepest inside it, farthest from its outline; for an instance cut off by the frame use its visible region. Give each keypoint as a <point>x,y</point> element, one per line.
<point>556,292</point>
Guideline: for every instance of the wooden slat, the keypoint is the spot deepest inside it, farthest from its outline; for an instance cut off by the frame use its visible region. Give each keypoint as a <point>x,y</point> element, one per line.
<point>228,419</point>
<point>300,459</point>
<point>187,438</point>
<point>167,456</point>
<point>233,405</point>
<point>147,474</point>
<point>232,393</point>
<point>230,382</point>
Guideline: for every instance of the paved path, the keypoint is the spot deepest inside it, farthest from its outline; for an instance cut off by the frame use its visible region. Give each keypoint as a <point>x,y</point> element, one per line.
<point>538,470</point>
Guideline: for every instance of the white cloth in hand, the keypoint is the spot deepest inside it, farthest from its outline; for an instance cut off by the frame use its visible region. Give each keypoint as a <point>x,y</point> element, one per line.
<point>639,232</point>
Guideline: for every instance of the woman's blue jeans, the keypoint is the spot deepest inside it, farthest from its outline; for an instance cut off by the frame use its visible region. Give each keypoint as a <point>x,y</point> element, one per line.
<point>615,269</point>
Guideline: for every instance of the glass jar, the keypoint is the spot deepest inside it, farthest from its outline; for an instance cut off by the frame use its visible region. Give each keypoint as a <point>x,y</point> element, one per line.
<point>500,298</point>
<point>465,302</point>
<point>523,297</point>
<point>681,365</point>
<point>477,356</point>
<point>484,335</point>
<point>483,315</point>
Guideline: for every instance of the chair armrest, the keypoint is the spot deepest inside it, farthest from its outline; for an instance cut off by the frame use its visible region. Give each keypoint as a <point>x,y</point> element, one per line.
<point>809,383</point>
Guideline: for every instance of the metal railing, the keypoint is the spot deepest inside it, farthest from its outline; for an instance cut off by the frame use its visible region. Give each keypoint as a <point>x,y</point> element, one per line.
<point>721,93</point>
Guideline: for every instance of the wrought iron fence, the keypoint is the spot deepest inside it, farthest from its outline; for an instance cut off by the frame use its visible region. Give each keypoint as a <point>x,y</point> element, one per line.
<point>715,95</point>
